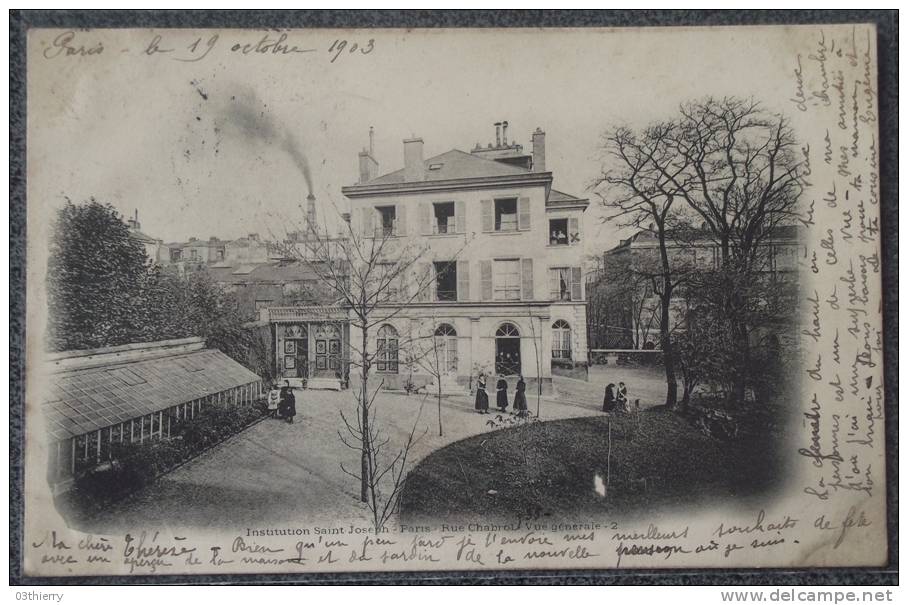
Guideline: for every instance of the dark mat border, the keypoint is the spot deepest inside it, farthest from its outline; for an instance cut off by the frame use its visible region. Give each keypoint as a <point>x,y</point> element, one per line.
<point>887,46</point>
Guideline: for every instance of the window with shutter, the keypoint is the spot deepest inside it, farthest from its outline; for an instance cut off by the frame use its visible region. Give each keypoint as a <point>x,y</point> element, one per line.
<point>485,275</point>
<point>526,266</point>
<point>507,279</point>
<point>560,283</point>
<point>488,221</point>
<point>523,214</point>
<point>443,217</point>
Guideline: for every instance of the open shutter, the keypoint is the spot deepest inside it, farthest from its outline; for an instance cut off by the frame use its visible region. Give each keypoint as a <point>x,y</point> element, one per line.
<point>523,214</point>
<point>463,280</point>
<point>460,217</point>
<point>488,223</point>
<point>485,274</point>
<point>573,231</point>
<point>424,281</point>
<point>526,279</point>
<point>400,216</point>
<point>554,285</point>
<point>369,221</point>
<point>576,284</point>
<point>425,227</point>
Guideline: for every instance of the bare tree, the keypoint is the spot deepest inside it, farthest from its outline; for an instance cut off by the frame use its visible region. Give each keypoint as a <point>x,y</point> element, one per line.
<point>425,352</point>
<point>640,185</point>
<point>742,178</point>
<point>375,275</point>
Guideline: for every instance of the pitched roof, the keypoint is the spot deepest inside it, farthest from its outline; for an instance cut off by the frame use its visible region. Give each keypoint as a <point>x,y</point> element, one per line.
<point>270,271</point>
<point>560,196</point>
<point>84,400</point>
<point>451,165</point>
<point>142,237</point>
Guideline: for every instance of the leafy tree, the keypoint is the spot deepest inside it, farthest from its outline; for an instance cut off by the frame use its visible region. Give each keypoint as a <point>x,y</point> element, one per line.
<point>96,277</point>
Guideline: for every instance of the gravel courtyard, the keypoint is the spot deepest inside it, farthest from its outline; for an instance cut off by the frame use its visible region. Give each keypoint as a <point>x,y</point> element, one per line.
<point>275,474</point>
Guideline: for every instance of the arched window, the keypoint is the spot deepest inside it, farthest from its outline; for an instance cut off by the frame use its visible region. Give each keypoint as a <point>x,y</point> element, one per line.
<point>446,343</point>
<point>445,330</point>
<point>561,340</point>
<point>507,350</point>
<point>507,331</point>
<point>386,349</point>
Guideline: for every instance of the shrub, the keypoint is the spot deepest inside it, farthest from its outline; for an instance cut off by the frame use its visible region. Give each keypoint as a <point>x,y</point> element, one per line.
<point>135,465</point>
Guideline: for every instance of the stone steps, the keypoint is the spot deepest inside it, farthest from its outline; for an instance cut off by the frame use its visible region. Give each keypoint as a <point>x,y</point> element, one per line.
<point>324,384</point>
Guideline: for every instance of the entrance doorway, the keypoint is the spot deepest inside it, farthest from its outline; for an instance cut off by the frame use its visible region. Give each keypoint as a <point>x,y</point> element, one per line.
<point>327,351</point>
<point>507,350</point>
<point>446,344</point>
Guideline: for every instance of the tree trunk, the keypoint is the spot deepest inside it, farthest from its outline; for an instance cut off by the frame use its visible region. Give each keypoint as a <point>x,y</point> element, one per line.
<point>668,354</point>
<point>742,340</point>
<point>366,440</point>
<point>440,432</point>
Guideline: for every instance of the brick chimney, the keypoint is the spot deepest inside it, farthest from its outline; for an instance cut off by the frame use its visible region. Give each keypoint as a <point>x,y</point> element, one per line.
<point>414,168</point>
<point>538,150</point>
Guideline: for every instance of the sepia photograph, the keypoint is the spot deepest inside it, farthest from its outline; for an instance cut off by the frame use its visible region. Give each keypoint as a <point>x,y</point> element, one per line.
<point>334,300</point>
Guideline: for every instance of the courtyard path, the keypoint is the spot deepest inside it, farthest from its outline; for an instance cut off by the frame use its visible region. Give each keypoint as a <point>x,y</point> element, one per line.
<point>279,475</point>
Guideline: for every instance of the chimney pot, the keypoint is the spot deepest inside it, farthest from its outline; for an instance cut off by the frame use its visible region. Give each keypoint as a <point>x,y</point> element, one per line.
<point>414,166</point>
<point>497,134</point>
<point>504,133</point>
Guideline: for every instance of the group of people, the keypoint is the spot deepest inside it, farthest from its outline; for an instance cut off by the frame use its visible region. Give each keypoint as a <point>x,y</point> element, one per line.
<point>282,402</point>
<point>615,398</point>
<point>501,396</point>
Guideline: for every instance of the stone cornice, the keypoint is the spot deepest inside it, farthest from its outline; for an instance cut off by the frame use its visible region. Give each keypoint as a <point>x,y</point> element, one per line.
<point>486,182</point>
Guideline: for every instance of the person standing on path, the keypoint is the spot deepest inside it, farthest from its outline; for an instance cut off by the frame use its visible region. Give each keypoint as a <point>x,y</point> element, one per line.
<point>288,402</point>
<point>274,400</point>
<point>482,398</point>
<point>501,398</point>
<point>520,397</point>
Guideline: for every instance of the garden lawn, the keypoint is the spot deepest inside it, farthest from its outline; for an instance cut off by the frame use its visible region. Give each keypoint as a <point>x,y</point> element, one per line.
<point>551,469</point>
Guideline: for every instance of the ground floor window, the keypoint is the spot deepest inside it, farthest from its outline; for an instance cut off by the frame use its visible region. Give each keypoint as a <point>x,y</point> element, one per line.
<point>561,340</point>
<point>387,349</point>
<point>507,350</point>
<point>446,347</point>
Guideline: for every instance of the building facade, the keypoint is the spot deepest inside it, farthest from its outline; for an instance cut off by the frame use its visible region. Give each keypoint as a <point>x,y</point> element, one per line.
<point>503,254</point>
<point>625,311</point>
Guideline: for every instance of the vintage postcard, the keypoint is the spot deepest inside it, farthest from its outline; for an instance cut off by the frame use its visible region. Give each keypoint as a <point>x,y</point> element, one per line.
<point>445,300</point>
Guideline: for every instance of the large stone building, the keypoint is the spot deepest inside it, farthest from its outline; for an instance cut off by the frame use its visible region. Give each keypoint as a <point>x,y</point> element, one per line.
<point>503,250</point>
<point>623,308</point>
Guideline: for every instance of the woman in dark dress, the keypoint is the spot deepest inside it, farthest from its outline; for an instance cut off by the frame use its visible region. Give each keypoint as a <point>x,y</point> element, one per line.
<point>482,398</point>
<point>288,403</point>
<point>520,397</point>
<point>608,404</point>
<point>501,398</point>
